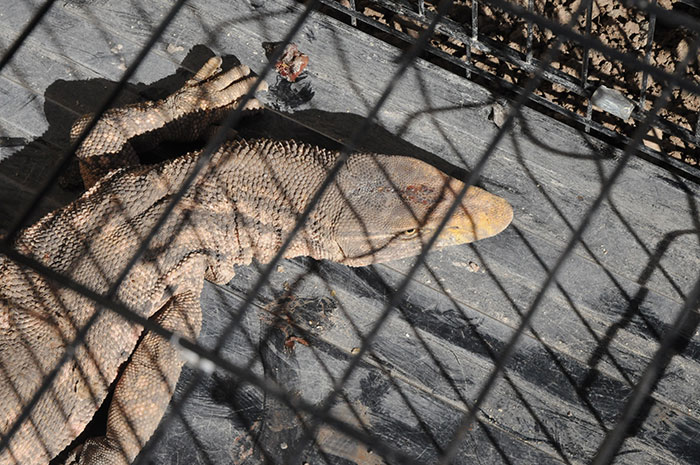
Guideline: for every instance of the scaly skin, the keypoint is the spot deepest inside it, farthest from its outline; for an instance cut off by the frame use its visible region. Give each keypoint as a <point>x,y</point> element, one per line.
<point>240,208</point>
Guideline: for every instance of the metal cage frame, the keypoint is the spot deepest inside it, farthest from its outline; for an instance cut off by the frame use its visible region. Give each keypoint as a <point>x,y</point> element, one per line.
<point>207,360</point>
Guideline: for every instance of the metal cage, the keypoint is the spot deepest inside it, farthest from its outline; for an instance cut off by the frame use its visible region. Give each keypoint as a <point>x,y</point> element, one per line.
<point>623,119</point>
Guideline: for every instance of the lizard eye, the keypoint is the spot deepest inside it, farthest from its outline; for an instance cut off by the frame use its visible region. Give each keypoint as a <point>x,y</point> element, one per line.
<point>409,233</point>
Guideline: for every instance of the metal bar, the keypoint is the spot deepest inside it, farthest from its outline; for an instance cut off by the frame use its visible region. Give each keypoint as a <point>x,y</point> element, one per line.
<point>596,44</point>
<point>617,138</point>
<point>214,143</point>
<point>570,82</point>
<point>489,46</point>
<point>353,20</point>
<point>554,76</point>
<point>669,17</point>
<point>643,388</point>
<point>647,58</point>
<point>207,152</point>
<point>207,359</point>
<point>406,60</point>
<point>586,50</point>
<point>589,116</point>
<point>111,98</point>
<point>681,331</point>
<point>552,273</point>
<point>28,29</point>
<point>530,33</point>
<point>584,68</point>
<point>467,60</point>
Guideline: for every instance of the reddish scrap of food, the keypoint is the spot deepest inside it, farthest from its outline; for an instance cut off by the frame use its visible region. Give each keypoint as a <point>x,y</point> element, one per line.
<point>292,63</point>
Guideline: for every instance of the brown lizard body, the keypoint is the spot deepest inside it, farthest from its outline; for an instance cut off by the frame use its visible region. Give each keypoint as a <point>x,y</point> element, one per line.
<point>241,207</point>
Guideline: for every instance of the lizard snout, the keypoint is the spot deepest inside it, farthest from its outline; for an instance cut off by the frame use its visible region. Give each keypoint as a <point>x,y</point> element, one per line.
<point>481,215</point>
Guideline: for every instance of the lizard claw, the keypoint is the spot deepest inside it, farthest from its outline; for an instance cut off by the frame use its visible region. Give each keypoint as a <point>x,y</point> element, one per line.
<point>210,88</point>
<point>211,67</point>
<point>224,80</point>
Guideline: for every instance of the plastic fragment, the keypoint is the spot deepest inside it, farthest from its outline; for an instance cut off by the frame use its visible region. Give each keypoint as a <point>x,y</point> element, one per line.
<point>612,101</point>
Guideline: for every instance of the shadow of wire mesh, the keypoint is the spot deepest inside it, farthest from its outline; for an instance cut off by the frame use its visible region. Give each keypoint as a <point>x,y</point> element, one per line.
<point>569,338</point>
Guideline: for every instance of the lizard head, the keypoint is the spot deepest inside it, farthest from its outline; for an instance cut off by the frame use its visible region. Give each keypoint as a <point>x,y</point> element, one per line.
<point>392,205</point>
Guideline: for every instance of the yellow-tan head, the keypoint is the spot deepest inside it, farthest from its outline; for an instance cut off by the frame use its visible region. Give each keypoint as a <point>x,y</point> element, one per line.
<point>393,205</point>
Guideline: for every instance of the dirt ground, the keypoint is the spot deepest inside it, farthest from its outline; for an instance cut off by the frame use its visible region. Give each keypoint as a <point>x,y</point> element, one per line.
<point>625,29</point>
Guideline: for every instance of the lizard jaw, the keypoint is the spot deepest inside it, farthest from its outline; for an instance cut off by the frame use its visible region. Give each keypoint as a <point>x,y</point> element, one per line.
<point>483,215</point>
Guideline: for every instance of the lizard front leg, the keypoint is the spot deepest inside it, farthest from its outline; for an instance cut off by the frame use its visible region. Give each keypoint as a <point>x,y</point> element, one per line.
<point>145,387</point>
<point>184,115</point>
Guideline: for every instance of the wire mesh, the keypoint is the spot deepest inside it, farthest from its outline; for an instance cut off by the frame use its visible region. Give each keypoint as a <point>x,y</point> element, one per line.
<point>432,20</point>
<point>520,58</point>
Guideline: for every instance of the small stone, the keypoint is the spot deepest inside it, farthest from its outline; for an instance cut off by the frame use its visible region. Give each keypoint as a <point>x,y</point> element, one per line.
<point>631,28</point>
<point>499,114</point>
<point>473,267</point>
<point>617,12</point>
<point>172,48</point>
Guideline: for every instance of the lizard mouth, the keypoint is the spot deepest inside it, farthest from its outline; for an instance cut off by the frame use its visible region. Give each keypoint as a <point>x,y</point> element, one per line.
<point>484,215</point>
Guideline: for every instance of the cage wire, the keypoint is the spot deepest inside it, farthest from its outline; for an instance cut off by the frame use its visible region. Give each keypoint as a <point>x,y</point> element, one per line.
<point>636,116</point>
<point>625,103</point>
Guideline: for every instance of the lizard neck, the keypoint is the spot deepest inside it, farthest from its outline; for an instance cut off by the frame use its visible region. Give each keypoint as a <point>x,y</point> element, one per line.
<point>268,184</point>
